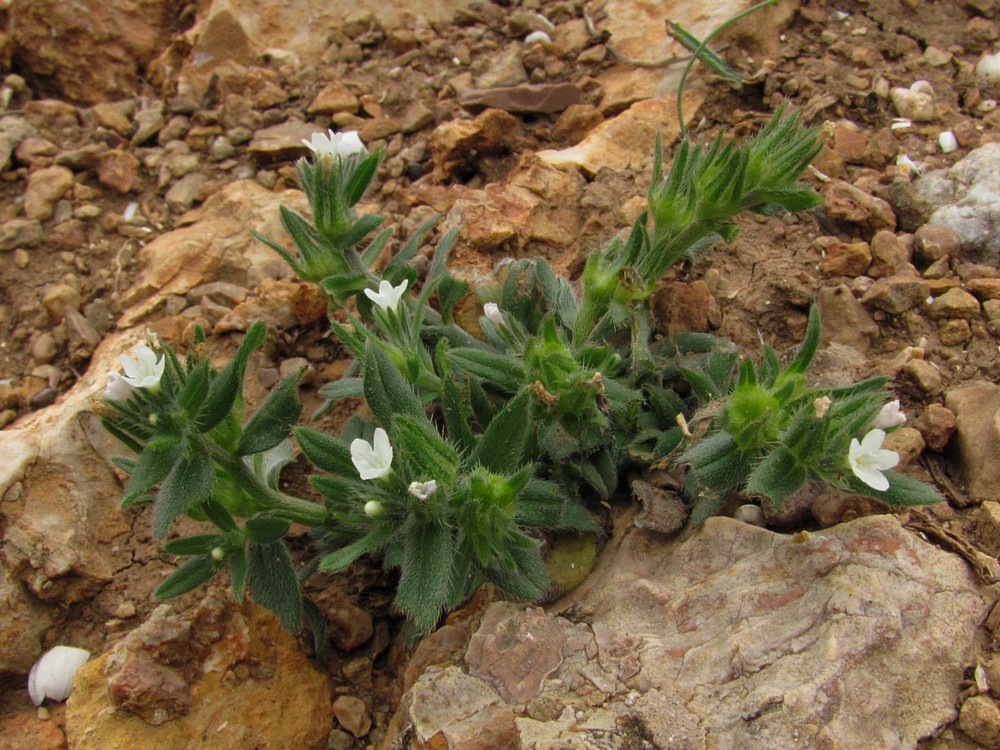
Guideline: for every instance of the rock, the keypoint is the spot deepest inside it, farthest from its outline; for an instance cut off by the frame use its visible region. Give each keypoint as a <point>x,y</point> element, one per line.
<point>26,730</point>
<point>119,170</point>
<point>149,121</point>
<point>889,255</point>
<point>283,141</point>
<point>626,141</point>
<point>545,98</point>
<point>505,70</point>
<point>844,202</point>
<point>416,116</point>
<point>988,528</point>
<point>20,233</point>
<point>679,307</point>
<point>58,298</point>
<point>976,443</point>
<point>185,191</point>
<point>116,116</point>
<point>897,294</point>
<point>93,51</point>
<point>458,142</point>
<point>378,129</point>
<point>334,97</point>
<point>13,130</point>
<point>907,442</point>
<point>846,259</point>
<point>954,303</point>
<point>980,719</point>
<point>348,625</point>
<point>985,289</point>
<point>229,675</point>
<point>913,105</point>
<point>574,123</point>
<point>845,320</point>
<point>933,242</point>
<point>271,302</point>
<point>831,507</point>
<point>937,424</point>
<point>216,246</point>
<point>954,332</point>
<point>45,188</point>
<point>965,198</point>
<point>352,713</point>
<point>866,612</point>
<point>23,622</point>
<point>924,375</point>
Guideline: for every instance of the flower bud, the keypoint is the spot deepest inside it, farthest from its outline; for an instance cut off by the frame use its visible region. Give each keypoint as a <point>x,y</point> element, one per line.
<point>218,554</point>
<point>52,676</point>
<point>374,509</point>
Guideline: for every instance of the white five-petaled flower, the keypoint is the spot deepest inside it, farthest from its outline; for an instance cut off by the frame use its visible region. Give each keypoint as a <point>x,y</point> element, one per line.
<point>373,460</point>
<point>52,676</point>
<point>868,460</point>
<point>492,312</point>
<point>388,296</point>
<point>423,490</point>
<point>116,389</point>
<point>889,416</point>
<point>332,144</point>
<point>144,370</point>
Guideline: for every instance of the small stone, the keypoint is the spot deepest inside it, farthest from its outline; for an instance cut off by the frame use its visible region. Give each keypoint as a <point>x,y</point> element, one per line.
<point>976,442</point>
<point>917,106</point>
<point>888,254</point>
<point>58,298</point>
<point>545,98</point>
<point>954,332</point>
<point>985,289</point>
<point>980,719</point>
<point>352,713</point>
<point>416,116</point>
<point>933,241</point>
<point>845,202</point>
<point>44,348</point>
<point>988,528</point>
<point>18,233</point>
<point>149,122</point>
<point>907,442</point>
<point>575,122</point>
<point>954,303</point>
<point>850,142</point>
<point>185,192</point>
<point>924,375</point>
<point>334,97</point>
<point>679,307</point>
<point>119,170</point>
<point>937,424</point>
<point>45,188</point>
<point>992,309</point>
<point>378,128</point>
<point>846,259</point>
<point>282,141</point>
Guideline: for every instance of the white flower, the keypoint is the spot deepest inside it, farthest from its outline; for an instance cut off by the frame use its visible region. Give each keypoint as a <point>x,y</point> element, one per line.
<point>116,389</point>
<point>372,461</point>
<point>423,490</point>
<point>492,312</point>
<point>387,297</point>
<point>538,36</point>
<point>52,676</point>
<point>890,416</point>
<point>868,460</point>
<point>374,508</point>
<point>145,370</point>
<point>332,144</point>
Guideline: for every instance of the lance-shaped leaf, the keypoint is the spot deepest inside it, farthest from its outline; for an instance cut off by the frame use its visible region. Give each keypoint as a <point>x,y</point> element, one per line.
<point>265,530</point>
<point>238,568</point>
<point>343,388</point>
<point>493,367</point>
<point>718,462</point>
<point>275,418</point>
<point>424,450</point>
<point>193,545</point>
<point>778,476</point>
<point>225,387</point>
<point>153,466</point>
<point>903,490</point>
<point>188,483</point>
<point>337,561</point>
<point>428,550</point>
<point>326,452</point>
<point>386,390</point>
<point>523,576</point>
<point>188,576</point>
<point>502,447</point>
<point>273,583</point>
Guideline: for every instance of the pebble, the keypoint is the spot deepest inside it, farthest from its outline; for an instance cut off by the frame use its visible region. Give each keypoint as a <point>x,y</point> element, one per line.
<point>45,188</point>
<point>846,259</point>
<point>924,375</point>
<point>119,170</point>
<point>20,233</point>
<point>352,713</point>
<point>954,303</point>
<point>937,424</point>
<point>917,106</point>
<point>954,332</point>
<point>980,719</point>
<point>934,241</point>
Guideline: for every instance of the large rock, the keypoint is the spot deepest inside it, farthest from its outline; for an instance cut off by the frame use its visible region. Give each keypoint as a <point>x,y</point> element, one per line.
<point>229,675</point>
<point>90,50</point>
<point>735,637</point>
<point>22,624</point>
<point>966,198</point>
<point>215,246</point>
<point>976,443</point>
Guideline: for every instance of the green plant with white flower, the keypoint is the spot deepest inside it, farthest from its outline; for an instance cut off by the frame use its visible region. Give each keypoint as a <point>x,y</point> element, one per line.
<point>474,447</point>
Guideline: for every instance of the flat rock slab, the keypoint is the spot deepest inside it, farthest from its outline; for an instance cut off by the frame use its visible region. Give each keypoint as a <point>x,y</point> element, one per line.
<point>736,637</point>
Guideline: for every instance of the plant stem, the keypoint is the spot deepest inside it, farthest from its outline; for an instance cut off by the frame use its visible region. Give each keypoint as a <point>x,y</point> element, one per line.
<point>278,504</point>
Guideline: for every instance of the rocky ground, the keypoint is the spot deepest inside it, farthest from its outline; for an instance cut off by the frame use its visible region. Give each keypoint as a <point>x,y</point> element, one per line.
<point>140,144</point>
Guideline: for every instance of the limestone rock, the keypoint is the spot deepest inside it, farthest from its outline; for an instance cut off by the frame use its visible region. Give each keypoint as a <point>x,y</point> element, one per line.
<point>845,320</point>
<point>89,51</point>
<point>13,130</point>
<point>23,622</point>
<point>732,637</point>
<point>976,443</point>
<point>216,246</point>
<point>898,293</point>
<point>457,142</point>
<point>229,675</point>
<point>546,98</point>
<point>626,141</point>
<point>966,198</point>
<point>282,141</point>
<point>846,202</point>
<point>45,187</point>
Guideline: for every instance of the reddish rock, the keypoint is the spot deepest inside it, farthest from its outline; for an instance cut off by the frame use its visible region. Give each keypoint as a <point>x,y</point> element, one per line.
<point>954,303</point>
<point>334,97</point>
<point>844,202</point>
<point>850,142</point>
<point>119,170</point>
<point>936,424</point>
<point>985,289</point>
<point>846,259</point>
<point>575,122</point>
<point>679,307</point>
<point>889,255</point>
<point>932,242</point>
<point>352,713</point>
<point>455,143</point>
<point>545,98</point>
<point>25,731</point>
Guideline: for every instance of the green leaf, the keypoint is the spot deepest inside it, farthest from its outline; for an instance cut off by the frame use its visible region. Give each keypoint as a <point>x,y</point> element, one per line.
<point>238,567</point>
<point>718,462</point>
<point>809,344</point>
<point>195,389</point>
<point>543,505</point>
<point>362,176</point>
<point>193,545</point>
<point>524,577</point>
<point>343,388</point>
<point>275,418</point>
<point>265,530</point>
<point>188,483</point>
<point>314,619</point>
<point>705,506</point>
<point>339,560</point>
<point>226,386</point>
<point>273,583</point>
<point>386,390</point>
<point>503,446</point>
<point>778,476</point>
<point>153,466</point>
<point>493,367</point>
<point>428,551</point>
<point>457,414</point>
<point>326,452</point>
<point>707,56</point>
<point>903,490</point>
<point>188,576</point>
<point>424,450</point>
